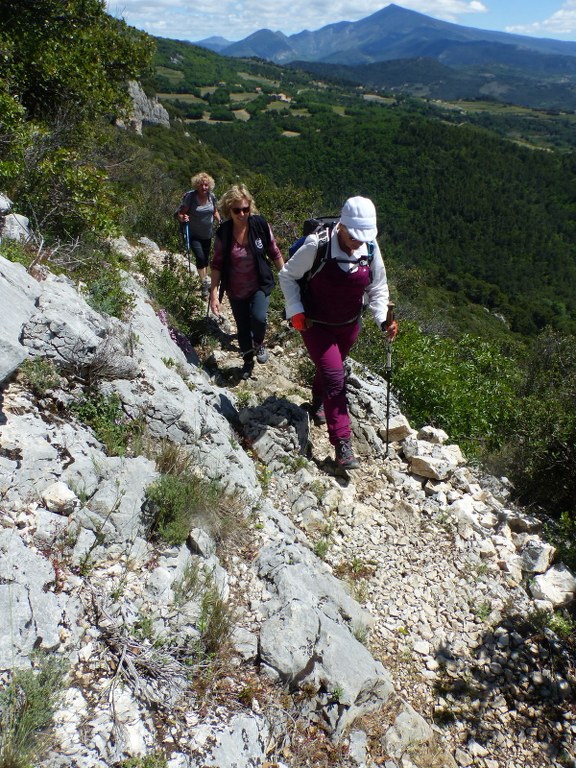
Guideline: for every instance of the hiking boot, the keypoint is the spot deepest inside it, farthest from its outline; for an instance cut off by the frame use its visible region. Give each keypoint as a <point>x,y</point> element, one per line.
<point>345,456</point>
<point>205,289</point>
<point>247,369</point>
<point>262,354</point>
<point>318,415</point>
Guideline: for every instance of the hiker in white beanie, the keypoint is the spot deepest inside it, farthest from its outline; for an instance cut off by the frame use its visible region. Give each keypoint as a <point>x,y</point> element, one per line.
<point>327,308</point>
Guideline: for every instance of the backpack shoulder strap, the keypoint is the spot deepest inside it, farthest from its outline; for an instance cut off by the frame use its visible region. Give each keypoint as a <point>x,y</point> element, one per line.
<point>322,251</point>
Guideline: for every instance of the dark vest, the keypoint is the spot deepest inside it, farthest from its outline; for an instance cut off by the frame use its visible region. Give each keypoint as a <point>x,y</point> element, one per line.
<point>335,297</point>
<point>258,244</point>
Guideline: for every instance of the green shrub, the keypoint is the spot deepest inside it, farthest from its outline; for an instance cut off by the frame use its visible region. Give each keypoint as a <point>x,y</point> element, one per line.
<point>178,503</point>
<point>564,625</point>
<point>27,706</point>
<point>104,414</point>
<point>176,291</point>
<point>106,295</point>
<point>153,760</point>
<point>20,253</point>
<point>40,375</point>
<point>542,452</point>
<point>563,535</point>
<point>465,385</point>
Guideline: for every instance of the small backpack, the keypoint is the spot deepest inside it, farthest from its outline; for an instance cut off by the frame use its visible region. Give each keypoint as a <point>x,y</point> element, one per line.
<point>312,226</point>
<point>211,196</point>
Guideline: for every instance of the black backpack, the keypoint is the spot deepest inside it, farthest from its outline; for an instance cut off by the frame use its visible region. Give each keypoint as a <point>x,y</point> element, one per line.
<point>310,227</point>
<point>322,226</point>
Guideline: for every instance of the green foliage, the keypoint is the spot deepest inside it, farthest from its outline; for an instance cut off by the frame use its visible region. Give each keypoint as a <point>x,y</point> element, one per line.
<point>40,375</point>
<point>60,184</point>
<point>564,625</point>
<point>14,133</point>
<point>178,503</point>
<point>155,759</point>
<point>143,627</point>
<point>322,547</point>
<point>215,621</point>
<point>215,617</point>
<point>69,55</point>
<point>482,610</point>
<point>27,705</point>
<point>465,385</point>
<point>65,67</point>
<point>454,201</point>
<point>564,538</point>
<point>542,450</point>
<point>175,290</point>
<point>265,476</point>
<point>104,414</point>
<point>107,295</point>
<point>20,253</point>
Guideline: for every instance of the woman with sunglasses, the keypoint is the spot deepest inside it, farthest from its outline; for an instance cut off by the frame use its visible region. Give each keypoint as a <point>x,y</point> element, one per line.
<point>329,309</point>
<point>244,246</point>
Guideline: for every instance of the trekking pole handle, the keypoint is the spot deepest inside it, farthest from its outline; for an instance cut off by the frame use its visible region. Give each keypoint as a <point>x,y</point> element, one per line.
<point>390,313</point>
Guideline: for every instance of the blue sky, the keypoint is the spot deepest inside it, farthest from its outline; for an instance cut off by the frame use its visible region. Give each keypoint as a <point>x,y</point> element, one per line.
<point>235,19</point>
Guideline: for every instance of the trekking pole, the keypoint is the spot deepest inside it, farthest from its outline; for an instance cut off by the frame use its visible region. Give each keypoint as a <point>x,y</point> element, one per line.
<point>388,373</point>
<point>187,242</point>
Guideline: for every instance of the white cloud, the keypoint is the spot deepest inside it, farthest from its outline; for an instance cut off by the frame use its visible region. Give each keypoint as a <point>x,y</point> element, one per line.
<point>562,22</point>
<point>448,10</point>
<point>235,19</point>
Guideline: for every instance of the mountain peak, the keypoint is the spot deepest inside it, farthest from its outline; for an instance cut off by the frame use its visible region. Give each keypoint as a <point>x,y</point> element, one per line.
<point>393,32</point>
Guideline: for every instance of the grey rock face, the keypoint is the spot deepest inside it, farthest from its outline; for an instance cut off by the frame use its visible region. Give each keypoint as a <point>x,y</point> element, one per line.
<point>15,227</point>
<point>30,611</point>
<point>18,293</point>
<point>145,109</point>
<point>424,568</point>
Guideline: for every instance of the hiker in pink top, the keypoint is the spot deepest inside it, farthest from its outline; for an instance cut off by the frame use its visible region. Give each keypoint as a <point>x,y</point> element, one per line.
<point>328,311</point>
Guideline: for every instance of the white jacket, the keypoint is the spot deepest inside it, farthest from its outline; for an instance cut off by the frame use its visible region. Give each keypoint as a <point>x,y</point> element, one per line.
<point>377,294</point>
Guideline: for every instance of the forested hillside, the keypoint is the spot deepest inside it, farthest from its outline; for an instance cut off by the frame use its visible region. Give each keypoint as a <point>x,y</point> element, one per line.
<point>488,219</point>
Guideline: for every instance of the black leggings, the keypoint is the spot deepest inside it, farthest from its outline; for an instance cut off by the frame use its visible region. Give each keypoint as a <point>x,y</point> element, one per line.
<point>201,251</point>
<point>250,316</point>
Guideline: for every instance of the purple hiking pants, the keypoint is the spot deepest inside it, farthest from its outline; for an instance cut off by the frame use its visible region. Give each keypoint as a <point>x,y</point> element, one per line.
<point>328,347</point>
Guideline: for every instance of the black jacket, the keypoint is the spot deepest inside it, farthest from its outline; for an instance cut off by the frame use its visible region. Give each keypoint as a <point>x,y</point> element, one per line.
<point>258,243</point>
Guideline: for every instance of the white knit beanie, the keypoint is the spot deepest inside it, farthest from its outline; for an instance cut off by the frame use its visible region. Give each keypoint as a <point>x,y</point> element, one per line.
<point>359,217</point>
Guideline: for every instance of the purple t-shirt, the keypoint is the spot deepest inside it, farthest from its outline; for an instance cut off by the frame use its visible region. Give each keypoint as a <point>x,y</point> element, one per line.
<point>243,279</point>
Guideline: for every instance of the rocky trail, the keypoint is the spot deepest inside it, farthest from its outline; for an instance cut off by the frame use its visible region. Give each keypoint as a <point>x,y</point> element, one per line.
<point>397,615</point>
<point>450,612</point>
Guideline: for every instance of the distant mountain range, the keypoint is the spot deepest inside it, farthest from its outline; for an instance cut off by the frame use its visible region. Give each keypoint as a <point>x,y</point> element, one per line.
<point>396,49</point>
<point>391,33</point>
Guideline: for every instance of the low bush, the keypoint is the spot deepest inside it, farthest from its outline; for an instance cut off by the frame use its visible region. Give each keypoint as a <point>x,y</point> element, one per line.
<point>466,386</point>
<point>40,375</point>
<point>27,706</point>
<point>107,295</point>
<point>177,503</point>
<point>111,425</point>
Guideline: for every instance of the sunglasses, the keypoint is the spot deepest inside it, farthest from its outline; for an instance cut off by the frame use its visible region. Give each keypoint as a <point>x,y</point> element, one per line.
<point>246,209</point>
<point>349,236</point>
